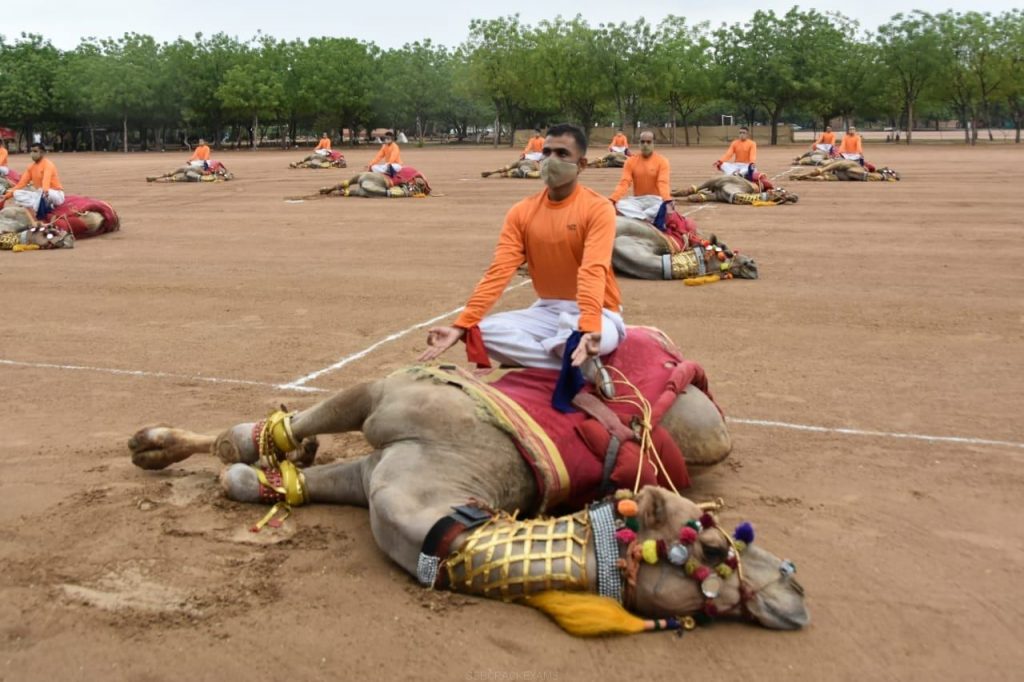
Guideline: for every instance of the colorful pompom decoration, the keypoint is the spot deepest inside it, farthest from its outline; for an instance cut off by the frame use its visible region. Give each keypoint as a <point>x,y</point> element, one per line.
<point>623,494</point>
<point>723,570</point>
<point>707,520</point>
<point>744,532</point>
<point>690,566</point>
<point>649,551</point>
<point>627,508</point>
<point>633,523</point>
<point>694,524</point>
<point>700,573</point>
<point>687,535</point>
<point>625,535</point>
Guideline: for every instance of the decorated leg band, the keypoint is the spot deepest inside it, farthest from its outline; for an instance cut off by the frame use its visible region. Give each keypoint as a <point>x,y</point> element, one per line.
<point>602,521</point>
<point>279,425</point>
<point>437,545</point>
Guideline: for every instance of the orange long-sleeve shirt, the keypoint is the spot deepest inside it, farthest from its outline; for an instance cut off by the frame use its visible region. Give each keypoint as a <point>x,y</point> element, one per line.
<point>825,138</point>
<point>42,174</point>
<point>745,151</point>
<point>388,153</point>
<point>851,145</point>
<point>619,141</point>
<point>567,246</point>
<point>201,153</point>
<point>3,155</point>
<point>325,143</point>
<point>534,145</point>
<point>647,175</point>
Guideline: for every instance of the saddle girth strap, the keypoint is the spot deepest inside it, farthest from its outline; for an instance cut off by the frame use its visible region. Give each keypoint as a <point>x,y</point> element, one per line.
<point>437,545</point>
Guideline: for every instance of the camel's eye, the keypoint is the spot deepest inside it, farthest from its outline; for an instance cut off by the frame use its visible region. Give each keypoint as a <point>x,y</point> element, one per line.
<point>714,554</point>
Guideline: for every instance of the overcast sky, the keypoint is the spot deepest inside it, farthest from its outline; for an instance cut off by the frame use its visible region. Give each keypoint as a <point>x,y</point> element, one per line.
<point>394,24</point>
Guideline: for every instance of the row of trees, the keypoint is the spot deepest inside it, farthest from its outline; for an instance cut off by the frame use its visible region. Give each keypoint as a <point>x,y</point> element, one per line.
<point>803,66</point>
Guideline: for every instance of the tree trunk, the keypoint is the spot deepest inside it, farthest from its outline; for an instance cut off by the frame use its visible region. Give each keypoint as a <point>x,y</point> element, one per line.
<point>910,118</point>
<point>255,139</point>
<point>774,118</point>
<point>92,137</point>
<point>497,129</point>
<point>673,126</point>
<point>686,130</point>
<point>124,132</point>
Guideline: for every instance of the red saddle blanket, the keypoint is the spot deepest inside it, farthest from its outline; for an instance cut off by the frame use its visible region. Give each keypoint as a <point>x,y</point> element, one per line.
<point>69,216</point>
<point>333,156</point>
<point>568,453</point>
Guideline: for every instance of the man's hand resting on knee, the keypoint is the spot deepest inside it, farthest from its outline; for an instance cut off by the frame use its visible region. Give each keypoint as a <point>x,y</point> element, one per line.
<point>589,347</point>
<point>440,339</point>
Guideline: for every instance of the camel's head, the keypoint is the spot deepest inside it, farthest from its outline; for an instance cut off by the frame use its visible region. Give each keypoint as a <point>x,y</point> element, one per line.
<point>782,196</point>
<point>889,174</point>
<point>49,237</point>
<point>743,267</point>
<point>700,568</point>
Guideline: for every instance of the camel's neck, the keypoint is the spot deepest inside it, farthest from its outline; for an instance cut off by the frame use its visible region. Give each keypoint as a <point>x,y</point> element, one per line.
<point>508,559</point>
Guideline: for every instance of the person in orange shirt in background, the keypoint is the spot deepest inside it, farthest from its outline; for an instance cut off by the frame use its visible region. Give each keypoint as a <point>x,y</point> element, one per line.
<point>564,234</point>
<point>534,150</point>
<point>620,144</point>
<point>387,160</point>
<point>4,168</point>
<point>42,175</point>
<point>648,174</point>
<point>825,141</point>
<point>323,147</point>
<point>200,155</point>
<point>741,156</point>
<point>852,149</point>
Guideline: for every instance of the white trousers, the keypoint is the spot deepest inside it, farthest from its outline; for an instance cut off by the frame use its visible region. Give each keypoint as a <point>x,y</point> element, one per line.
<point>730,168</point>
<point>29,198</point>
<point>534,156</point>
<point>383,167</point>
<point>4,170</point>
<point>827,148</point>
<point>617,150</point>
<point>197,164</point>
<point>642,207</point>
<point>322,152</point>
<point>536,336</point>
<point>852,157</point>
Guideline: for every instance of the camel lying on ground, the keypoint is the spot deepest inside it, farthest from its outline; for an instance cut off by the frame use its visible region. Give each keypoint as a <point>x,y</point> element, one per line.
<point>435,449</point>
<point>644,252</point>
<point>408,182</point>
<point>815,157</point>
<point>844,170</point>
<point>734,189</point>
<point>331,159</point>
<point>211,171</point>
<point>610,160</point>
<point>523,168</point>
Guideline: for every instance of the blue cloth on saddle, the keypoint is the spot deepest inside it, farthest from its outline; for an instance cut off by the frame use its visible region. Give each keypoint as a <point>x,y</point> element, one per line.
<point>570,379</point>
<point>659,220</point>
<point>44,209</point>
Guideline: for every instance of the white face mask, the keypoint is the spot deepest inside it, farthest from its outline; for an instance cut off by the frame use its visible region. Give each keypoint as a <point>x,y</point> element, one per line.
<point>557,173</point>
<point>646,148</point>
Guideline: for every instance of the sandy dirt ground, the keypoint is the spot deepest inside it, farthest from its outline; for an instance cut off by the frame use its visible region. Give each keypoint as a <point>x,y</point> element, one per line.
<point>887,308</point>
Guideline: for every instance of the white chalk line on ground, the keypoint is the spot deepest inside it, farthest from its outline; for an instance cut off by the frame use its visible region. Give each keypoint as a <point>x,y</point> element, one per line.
<point>387,339</point>
<point>877,434</point>
<point>158,375</point>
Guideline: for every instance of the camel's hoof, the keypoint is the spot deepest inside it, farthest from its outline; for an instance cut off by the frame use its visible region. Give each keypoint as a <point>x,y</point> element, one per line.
<point>149,438</point>
<point>151,178</point>
<point>484,174</point>
<point>306,453</point>
<point>240,483</point>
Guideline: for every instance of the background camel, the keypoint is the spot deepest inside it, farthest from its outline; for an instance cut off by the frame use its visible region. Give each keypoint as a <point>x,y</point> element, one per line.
<point>215,172</point>
<point>844,170</point>
<point>523,168</point>
<point>434,449</point>
<point>610,160</point>
<point>644,252</point>
<point>734,189</point>
<point>331,159</point>
<point>409,183</point>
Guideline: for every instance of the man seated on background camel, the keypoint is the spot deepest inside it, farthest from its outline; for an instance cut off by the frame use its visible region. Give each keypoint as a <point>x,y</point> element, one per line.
<point>648,175</point>
<point>620,144</point>
<point>741,156</point>
<point>4,168</point>
<point>825,141</point>
<point>323,147</point>
<point>565,235</point>
<point>387,159</point>
<point>534,150</point>
<point>852,149</point>
<point>47,193</point>
<point>200,155</point>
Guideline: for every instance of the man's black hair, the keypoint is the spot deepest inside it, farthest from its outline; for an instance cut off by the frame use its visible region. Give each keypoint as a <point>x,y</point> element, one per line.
<point>569,129</point>
<point>39,145</point>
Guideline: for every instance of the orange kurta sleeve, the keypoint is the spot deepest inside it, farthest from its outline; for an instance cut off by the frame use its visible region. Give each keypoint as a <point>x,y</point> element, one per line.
<point>851,145</point>
<point>394,154</point>
<point>620,141</point>
<point>647,175</point>
<point>534,145</point>
<point>509,254</point>
<point>22,181</point>
<point>201,153</point>
<point>50,179</point>
<point>379,157</point>
<point>626,179</point>
<point>3,156</point>
<point>595,272</point>
<point>730,153</point>
<point>325,143</point>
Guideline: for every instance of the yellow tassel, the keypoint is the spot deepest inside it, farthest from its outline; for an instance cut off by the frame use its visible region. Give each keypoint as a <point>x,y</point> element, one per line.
<point>587,615</point>
<point>25,247</point>
<point>697,281</point>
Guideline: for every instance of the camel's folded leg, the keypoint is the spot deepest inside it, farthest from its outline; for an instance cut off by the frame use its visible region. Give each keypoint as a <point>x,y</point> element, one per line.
<point>637,258</point>
<point>336,483</point>
<point>372,188</point>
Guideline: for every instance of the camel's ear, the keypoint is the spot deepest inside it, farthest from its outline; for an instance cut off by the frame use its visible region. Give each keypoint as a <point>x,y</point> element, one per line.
<point>653,512</point>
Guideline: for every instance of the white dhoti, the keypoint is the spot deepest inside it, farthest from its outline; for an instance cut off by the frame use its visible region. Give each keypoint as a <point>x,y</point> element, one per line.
<point>322,152</point>
<point>4,170</point>
<point>29,198</point>
<point>827,148</point>
<point>197,164</point>
<point>536,336</point>
<point>731,168</point>
<point>643,207</point>
<point>618,150</point>
<point>852,157</point>
<point>383,167</point>
<point>534,156</point>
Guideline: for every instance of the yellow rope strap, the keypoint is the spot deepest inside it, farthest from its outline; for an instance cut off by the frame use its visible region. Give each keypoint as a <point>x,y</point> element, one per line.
<point>648,453</point>
<point>510,559</point>
<point>274,441</point>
